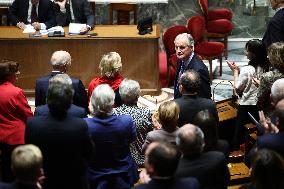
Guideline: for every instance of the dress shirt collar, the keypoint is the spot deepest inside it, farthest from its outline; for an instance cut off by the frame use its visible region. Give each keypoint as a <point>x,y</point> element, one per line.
<point>278,9</point>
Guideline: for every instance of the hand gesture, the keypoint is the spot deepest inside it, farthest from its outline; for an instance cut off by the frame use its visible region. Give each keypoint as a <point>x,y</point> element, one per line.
<point>36,26</point>
<point>155,121</point>
<point>267,124</point>
<point>233,66</point>
<point>255,81</point>
<point>144,177</point>
<point>21,25</point>
<point>84,29</point>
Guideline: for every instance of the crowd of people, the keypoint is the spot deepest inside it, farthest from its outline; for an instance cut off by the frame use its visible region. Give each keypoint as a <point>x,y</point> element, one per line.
<point>99,139</point>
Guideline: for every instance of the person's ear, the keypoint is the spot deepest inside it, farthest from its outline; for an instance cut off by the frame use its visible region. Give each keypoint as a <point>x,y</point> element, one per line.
<point>180,88</point>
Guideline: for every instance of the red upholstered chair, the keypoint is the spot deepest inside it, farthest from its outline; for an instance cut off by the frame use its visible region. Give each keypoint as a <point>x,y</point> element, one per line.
<point>168,40</point>
<point>206,50</point>
<point>218,23</point>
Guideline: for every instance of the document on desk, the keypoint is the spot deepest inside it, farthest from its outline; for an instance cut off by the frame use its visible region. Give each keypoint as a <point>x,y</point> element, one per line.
<point>29,29</point>
<point>74,28</point>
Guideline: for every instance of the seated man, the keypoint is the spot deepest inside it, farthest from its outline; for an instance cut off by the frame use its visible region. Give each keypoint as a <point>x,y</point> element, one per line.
<point>26,164</point>
<point>74,110</point>
<point>190,103</point>
<point>60,61</point>
<point>161,162</point>
<point>77,11</point>
<point>39,13</point>
<point>210,168</point>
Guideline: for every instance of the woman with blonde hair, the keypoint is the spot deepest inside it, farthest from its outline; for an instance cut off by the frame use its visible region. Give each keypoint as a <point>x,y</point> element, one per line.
<point>110,67</point>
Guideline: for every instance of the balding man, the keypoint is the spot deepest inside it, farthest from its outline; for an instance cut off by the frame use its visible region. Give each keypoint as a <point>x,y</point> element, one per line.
<point>187,59</point>
<point>60,61</point>
<point>210,168</point>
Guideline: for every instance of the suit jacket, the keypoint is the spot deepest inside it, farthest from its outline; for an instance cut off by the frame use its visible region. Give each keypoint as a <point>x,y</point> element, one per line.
<point>82,11</point>
<point>209,168</point>
<point>172,183</point>
<point>74,111</point>
<point>275,29</point>
<point>273,141</point>
<point>190,105</point>
<point>17,185</point>
<point>80,96</point>
<point>15,111</point>
<point>18,12</point>
<point>113,164</point>
<point>197,65</point>
<point>65,145</point>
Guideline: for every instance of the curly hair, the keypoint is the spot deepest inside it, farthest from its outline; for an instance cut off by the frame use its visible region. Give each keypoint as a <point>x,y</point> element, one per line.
<point>276,55</point>
<point>110,64</point>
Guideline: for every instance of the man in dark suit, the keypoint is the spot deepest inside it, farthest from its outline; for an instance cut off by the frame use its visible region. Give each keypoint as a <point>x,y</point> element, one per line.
<point>26,163</point>
<point>63,140</point>
<point>161,162</point>
<point>60,61</point>
<point>210,168</point>
<point>77,11</point>
<point>190,103</point>
<point>39,13</point>
<point>275,29</point>
<point>187,59</point>
<point>74,110</point>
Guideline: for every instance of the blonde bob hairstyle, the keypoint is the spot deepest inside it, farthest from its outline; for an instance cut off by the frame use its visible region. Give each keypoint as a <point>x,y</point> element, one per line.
<point>276,55</point>
<point>168,113</point>
<point>110,64</point>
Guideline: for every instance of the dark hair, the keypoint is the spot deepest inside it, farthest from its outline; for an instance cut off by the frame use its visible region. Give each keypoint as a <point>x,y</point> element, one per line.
<point>267,170</point>
<point>59,99</point>
<point>207,123</point>
<point>164,158</point>
<point>259,58</point>
<point>7,68</point>
<point>190,81</point>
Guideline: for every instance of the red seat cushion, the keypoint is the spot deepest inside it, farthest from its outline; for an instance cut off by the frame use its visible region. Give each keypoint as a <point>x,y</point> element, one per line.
<point>221,13</point>
<point>209,49</point>
<point>196,27</point>
<point>163,69</point>
<point>219,26</point>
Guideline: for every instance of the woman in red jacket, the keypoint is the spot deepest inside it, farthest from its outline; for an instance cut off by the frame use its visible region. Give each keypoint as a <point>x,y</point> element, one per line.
<point>14,111</point>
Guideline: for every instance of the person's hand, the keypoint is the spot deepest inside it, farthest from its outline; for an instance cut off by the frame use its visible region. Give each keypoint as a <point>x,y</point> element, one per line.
<point>144,177</point>
<point>36,26</point>
<point>21,25</point>
<point>84,29</point>
<point>61,4</point>
<point>255,81</point>
<point>267,124</point>
<point>233,66</point>
<point>155,121</point>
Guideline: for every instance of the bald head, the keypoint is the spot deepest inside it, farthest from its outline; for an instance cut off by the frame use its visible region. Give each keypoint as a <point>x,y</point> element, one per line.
<point>60,59</point>
<point>190,139</point>
<point>190,82</point>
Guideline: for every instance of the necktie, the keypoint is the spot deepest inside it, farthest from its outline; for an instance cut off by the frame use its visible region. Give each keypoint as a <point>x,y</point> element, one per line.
<point>33,14</point>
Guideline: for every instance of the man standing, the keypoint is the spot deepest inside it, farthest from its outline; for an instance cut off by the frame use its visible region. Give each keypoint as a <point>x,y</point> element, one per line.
<point>190,103</point>
<point>60,61</point>
<point>77,11</point>
<point>39,13</point>
<point>275,29</point>
<point>187,59</point>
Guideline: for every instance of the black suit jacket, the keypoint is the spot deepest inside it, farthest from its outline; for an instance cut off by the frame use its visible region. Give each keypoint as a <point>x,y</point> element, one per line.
<point>275,29</point>
<point>66,146</point>
<point>273,141</point>
<point>80,96</point>
<point>74,111</point>
<point>172,183</point>
<point>197,65</point>
<point>209,168</point>
<point>82,11</point>
<point>190,105</point>
<point>17,185</point>
<point>18,12</point>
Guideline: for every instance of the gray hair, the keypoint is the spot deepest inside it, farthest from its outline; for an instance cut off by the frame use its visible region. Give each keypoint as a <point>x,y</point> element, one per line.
<point>190,139</point>
<point>102,100</point>
<point>60,58</point>
<point>129,90</point>
<point>277,90</point>
<point>186,37</point>
<point>61,79</point>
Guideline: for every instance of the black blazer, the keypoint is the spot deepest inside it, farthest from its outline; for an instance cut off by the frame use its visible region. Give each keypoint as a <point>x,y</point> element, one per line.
<point>197,65</point>
<point>74,111</point>
<point>82,10</point>
<point>66,146</point>
<point>209,168</point>
<point>275,29</point>
<point>190,105</point>
<point>274,141</point>
<point>18,12</point>
<point>80,96</point>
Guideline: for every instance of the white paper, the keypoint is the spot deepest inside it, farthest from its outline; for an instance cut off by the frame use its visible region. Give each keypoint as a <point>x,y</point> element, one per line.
<point>75,28</point>
<point>29,29</point>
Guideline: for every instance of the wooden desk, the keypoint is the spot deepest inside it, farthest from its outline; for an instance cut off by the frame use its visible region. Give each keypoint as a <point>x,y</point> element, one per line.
<point>139,54</point>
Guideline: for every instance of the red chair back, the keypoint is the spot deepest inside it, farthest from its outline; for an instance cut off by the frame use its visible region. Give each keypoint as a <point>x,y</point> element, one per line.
<point>169,38</point>
<point>204,7</point>
<point>196,27</point>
